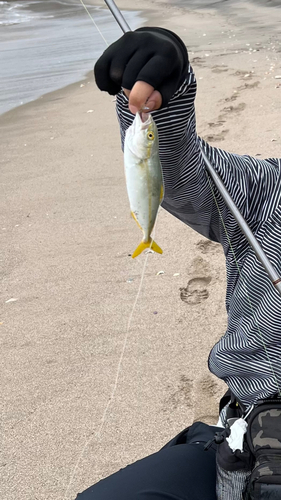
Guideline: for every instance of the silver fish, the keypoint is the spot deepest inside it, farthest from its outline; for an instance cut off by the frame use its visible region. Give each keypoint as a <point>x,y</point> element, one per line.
<point>144,177</point>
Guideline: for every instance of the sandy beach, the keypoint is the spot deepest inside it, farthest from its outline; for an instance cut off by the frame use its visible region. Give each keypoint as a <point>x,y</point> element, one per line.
<point>69,284</point>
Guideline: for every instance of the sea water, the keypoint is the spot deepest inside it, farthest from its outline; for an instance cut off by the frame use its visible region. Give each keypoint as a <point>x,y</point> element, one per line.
<point>46,45</point>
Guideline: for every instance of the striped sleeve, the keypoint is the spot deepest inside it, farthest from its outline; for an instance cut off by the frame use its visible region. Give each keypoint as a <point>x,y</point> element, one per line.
<point>188,195</point>
<point>247,357</point>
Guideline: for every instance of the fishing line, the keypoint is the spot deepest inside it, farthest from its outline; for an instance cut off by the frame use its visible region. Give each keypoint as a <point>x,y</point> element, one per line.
<point>91,17</point>
<point>125,341</point>
<point>243,283</point>
<point>111,397</point>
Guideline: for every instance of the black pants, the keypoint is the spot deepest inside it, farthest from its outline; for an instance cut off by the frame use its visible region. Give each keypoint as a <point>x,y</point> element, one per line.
<point>182,470</point>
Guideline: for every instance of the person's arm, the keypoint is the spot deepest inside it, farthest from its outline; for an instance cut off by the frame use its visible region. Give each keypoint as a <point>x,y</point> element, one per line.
<point>152,64</point>
<point>253,184</point>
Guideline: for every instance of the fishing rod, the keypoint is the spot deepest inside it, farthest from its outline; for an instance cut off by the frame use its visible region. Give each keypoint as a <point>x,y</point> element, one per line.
<point>274,277</point>
<point>118,15</point>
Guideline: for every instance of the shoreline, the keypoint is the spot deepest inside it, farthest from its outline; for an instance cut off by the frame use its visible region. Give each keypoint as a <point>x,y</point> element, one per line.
<point>59,93</point>
<point>149,13</point>
<point>67,45</point>
<point>68,283</point>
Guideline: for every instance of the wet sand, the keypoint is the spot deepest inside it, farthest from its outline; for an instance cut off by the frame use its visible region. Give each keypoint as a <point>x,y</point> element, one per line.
<point>69,285</point>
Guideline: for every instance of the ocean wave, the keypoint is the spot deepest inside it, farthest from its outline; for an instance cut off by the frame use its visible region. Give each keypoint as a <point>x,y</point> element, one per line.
<point>26,11</point>
<point>20,12</point>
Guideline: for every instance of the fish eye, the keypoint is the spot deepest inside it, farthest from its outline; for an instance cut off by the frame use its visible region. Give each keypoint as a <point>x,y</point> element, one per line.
<point>150,136</point>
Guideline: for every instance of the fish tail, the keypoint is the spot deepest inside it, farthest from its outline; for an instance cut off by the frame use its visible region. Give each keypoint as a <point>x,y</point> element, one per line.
<point>149,244</point>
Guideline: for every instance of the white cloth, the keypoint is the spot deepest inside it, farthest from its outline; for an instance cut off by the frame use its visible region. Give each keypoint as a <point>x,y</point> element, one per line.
<point>237,431</point>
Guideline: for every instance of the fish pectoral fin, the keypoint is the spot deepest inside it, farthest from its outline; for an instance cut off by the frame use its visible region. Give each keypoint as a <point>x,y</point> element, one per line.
<point>161,193</point>
<point>149,244</point>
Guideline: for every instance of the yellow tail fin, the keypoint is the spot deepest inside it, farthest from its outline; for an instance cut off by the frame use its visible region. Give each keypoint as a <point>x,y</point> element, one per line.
<point>142,246</point>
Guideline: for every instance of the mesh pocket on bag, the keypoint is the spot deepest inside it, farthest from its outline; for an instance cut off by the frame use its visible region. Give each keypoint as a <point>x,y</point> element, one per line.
<point>230,484</point>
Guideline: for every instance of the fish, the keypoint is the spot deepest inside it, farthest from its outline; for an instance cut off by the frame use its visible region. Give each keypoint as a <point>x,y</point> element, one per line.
<point>144,177</point>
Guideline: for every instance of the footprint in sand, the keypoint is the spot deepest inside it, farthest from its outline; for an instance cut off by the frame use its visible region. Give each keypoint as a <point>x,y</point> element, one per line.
<point>207,246</point>
<point>216,137</point>
<point>196,290</point>
<point>230,99</point>
<point>235,109</point>
<point>207,392</point>
<point>219,123</point>
<point>219,69</point>
<point>179,395</point>
<point>198,60</point>
<point>199,267</point>
<point>249,86</point>
<point>243,74</point>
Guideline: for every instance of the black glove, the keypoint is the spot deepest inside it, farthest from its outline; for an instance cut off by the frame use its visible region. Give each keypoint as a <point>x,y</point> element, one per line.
<point>153,55</point>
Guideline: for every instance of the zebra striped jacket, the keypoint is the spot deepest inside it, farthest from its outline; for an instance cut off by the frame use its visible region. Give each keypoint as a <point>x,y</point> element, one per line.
<point>248,356</point>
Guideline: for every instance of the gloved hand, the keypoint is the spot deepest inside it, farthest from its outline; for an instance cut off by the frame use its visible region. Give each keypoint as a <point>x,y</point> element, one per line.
<point>155,56</point>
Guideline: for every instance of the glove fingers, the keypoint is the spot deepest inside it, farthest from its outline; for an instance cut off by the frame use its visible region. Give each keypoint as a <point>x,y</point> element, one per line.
<point>110,67</point>
<point>155,56</point>
<point>156,71</point>
<point>102,74</point>
<point>133,69</point>
<point>169,87</point>
<point>160,77</point>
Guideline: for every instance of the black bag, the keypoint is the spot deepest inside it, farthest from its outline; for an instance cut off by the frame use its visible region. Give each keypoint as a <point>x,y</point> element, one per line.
<point>264,441</point>
<point>254,474</point>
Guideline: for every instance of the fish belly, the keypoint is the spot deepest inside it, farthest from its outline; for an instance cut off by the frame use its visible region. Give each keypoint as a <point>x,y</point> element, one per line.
<point>145,187</point>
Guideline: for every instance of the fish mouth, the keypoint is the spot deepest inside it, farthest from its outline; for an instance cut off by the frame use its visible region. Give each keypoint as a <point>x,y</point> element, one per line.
<point>142,120</point>
<point>144,116</point>
<point>138,139</point>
